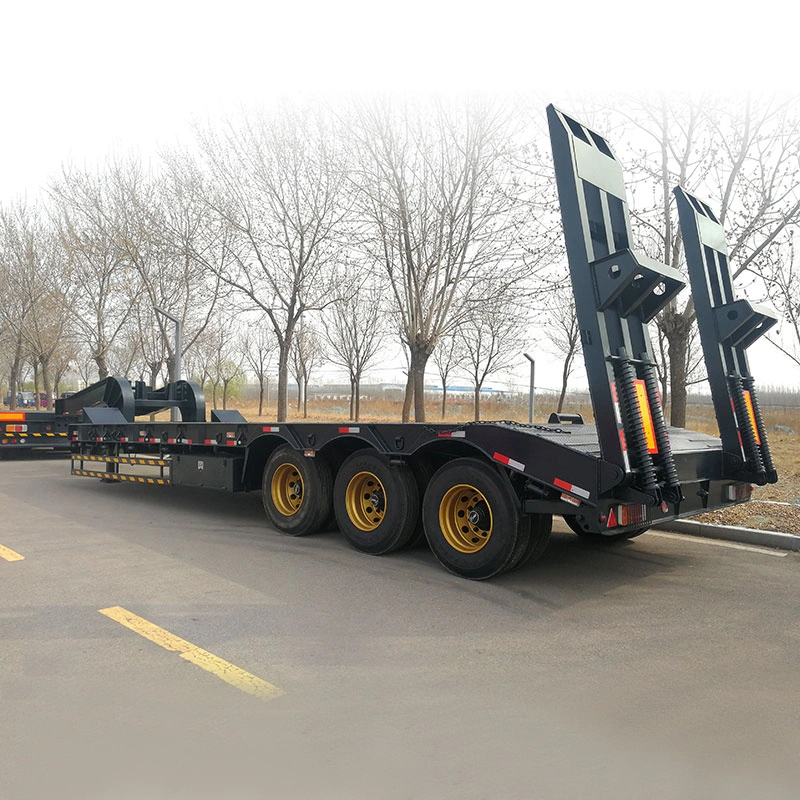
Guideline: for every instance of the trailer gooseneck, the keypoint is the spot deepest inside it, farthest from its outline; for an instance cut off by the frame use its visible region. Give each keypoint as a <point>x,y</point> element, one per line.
<point>484,494</point>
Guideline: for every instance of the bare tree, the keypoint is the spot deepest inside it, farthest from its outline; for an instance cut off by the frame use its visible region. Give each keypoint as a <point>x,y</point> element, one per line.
<point>435,193</point>
<point>491,343</point>
<point>783,285</point>
<point>354,335</point>
<point>740,154</point>
<point>223,361</point>
<point>85,213</point>
<point>306,354</point>
<point>563,331</point>
<point>448,356</point>
<point>259,346</point>
<point>161,226</point>
<point>278,186</point>
<point>34,311</point>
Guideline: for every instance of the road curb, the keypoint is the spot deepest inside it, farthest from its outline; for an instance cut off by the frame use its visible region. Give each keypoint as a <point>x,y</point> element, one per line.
<point>781,541</point>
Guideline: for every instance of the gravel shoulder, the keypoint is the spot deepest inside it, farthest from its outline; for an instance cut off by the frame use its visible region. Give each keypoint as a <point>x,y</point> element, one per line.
<point>775,507</point>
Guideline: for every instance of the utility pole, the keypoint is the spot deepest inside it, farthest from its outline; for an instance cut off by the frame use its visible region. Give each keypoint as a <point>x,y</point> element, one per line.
<point>176,372</point>
<point>530,393</point>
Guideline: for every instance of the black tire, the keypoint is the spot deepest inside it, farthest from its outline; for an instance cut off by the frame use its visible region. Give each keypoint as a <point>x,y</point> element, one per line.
<point>472,519</point>
<point>602,538</point>
<point>423,472</point>
<point>376,505</point>
<point>296,491</point>
<point>540,528</point>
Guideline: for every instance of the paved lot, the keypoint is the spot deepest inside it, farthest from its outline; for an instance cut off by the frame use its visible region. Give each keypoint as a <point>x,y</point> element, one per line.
<point>664,668</point>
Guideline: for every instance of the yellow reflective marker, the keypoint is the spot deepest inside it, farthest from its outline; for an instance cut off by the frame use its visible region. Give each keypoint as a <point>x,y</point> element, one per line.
<point>10,555</point>
<point>229,673</point>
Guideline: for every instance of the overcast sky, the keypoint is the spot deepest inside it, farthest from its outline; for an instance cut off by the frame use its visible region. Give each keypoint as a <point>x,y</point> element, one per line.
<point>80,78</point>
<point>83,78</point>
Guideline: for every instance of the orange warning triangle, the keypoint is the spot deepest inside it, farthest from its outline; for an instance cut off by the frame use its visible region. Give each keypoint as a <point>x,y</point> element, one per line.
<point>612,519</point>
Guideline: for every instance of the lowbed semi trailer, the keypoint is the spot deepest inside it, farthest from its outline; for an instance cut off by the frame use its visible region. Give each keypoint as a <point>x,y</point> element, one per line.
<point>483,494</point>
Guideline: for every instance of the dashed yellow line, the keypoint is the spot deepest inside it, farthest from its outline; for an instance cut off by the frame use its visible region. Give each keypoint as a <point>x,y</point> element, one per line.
<point>244,681</point>
<point>10,555</point>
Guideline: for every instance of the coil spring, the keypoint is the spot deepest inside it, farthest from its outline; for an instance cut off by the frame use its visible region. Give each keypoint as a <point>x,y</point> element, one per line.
<point>766,454</point>
<point>634,427</point>
<point>660,429</point>
<point>752,453</point>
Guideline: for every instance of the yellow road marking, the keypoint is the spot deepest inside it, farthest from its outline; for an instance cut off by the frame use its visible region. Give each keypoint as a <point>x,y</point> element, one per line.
<point>229,673</point>
<point>10,555</point>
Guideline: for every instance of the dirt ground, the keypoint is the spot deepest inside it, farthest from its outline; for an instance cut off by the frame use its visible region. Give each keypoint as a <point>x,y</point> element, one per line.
<point>775,507</point>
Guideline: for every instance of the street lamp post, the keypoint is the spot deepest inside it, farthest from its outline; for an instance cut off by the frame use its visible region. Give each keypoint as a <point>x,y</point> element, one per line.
<point>530,393</point>
<point>176,372</point>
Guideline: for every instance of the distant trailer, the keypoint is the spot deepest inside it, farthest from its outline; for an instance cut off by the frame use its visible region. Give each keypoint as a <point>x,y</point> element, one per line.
<point>27,430</point>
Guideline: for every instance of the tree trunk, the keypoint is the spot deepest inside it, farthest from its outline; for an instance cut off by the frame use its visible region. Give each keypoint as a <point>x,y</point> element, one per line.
<point>477,403</point>
<point>37,403</point>
<point>283,381</point>
<point>564,379</point>
<point>46,388</point>
<point>305,398</point>
<point>358,399</point>
<point>13,379</point>
<point>260,395</point>
<point>444,399</point>
<point>409,397</point>
<point>676,328</point>
<point>676,343</point>
<point>102,365</point>
<point>416,373</point>
<point>353,399</point>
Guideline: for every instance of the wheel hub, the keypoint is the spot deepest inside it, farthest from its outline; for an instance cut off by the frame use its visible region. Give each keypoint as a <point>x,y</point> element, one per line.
<point>376,500</point>
<point>465,518</point>
<point>287,489</point>
<point>365,501</point>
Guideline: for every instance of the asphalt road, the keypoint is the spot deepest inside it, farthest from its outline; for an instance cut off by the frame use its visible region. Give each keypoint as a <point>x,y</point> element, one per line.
<point>299,668</point>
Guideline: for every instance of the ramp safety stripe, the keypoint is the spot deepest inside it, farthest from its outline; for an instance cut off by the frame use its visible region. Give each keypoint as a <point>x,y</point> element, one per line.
<point>115,476</point>
<point>123,460</point>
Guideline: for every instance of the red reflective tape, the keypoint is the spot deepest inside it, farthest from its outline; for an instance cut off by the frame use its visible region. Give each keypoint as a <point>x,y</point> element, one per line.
<point>571,487</point>
<point>270,429</point>
<point>208,441</point>
<point>349,430</point>
<point>444,434</point>
<point>170,441</point>
<point>510,462</point>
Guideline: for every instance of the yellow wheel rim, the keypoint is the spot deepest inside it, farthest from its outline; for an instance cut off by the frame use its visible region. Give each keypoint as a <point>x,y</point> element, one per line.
<point>465,518</point>
<point>287,489</point>
<point>365,501</point>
